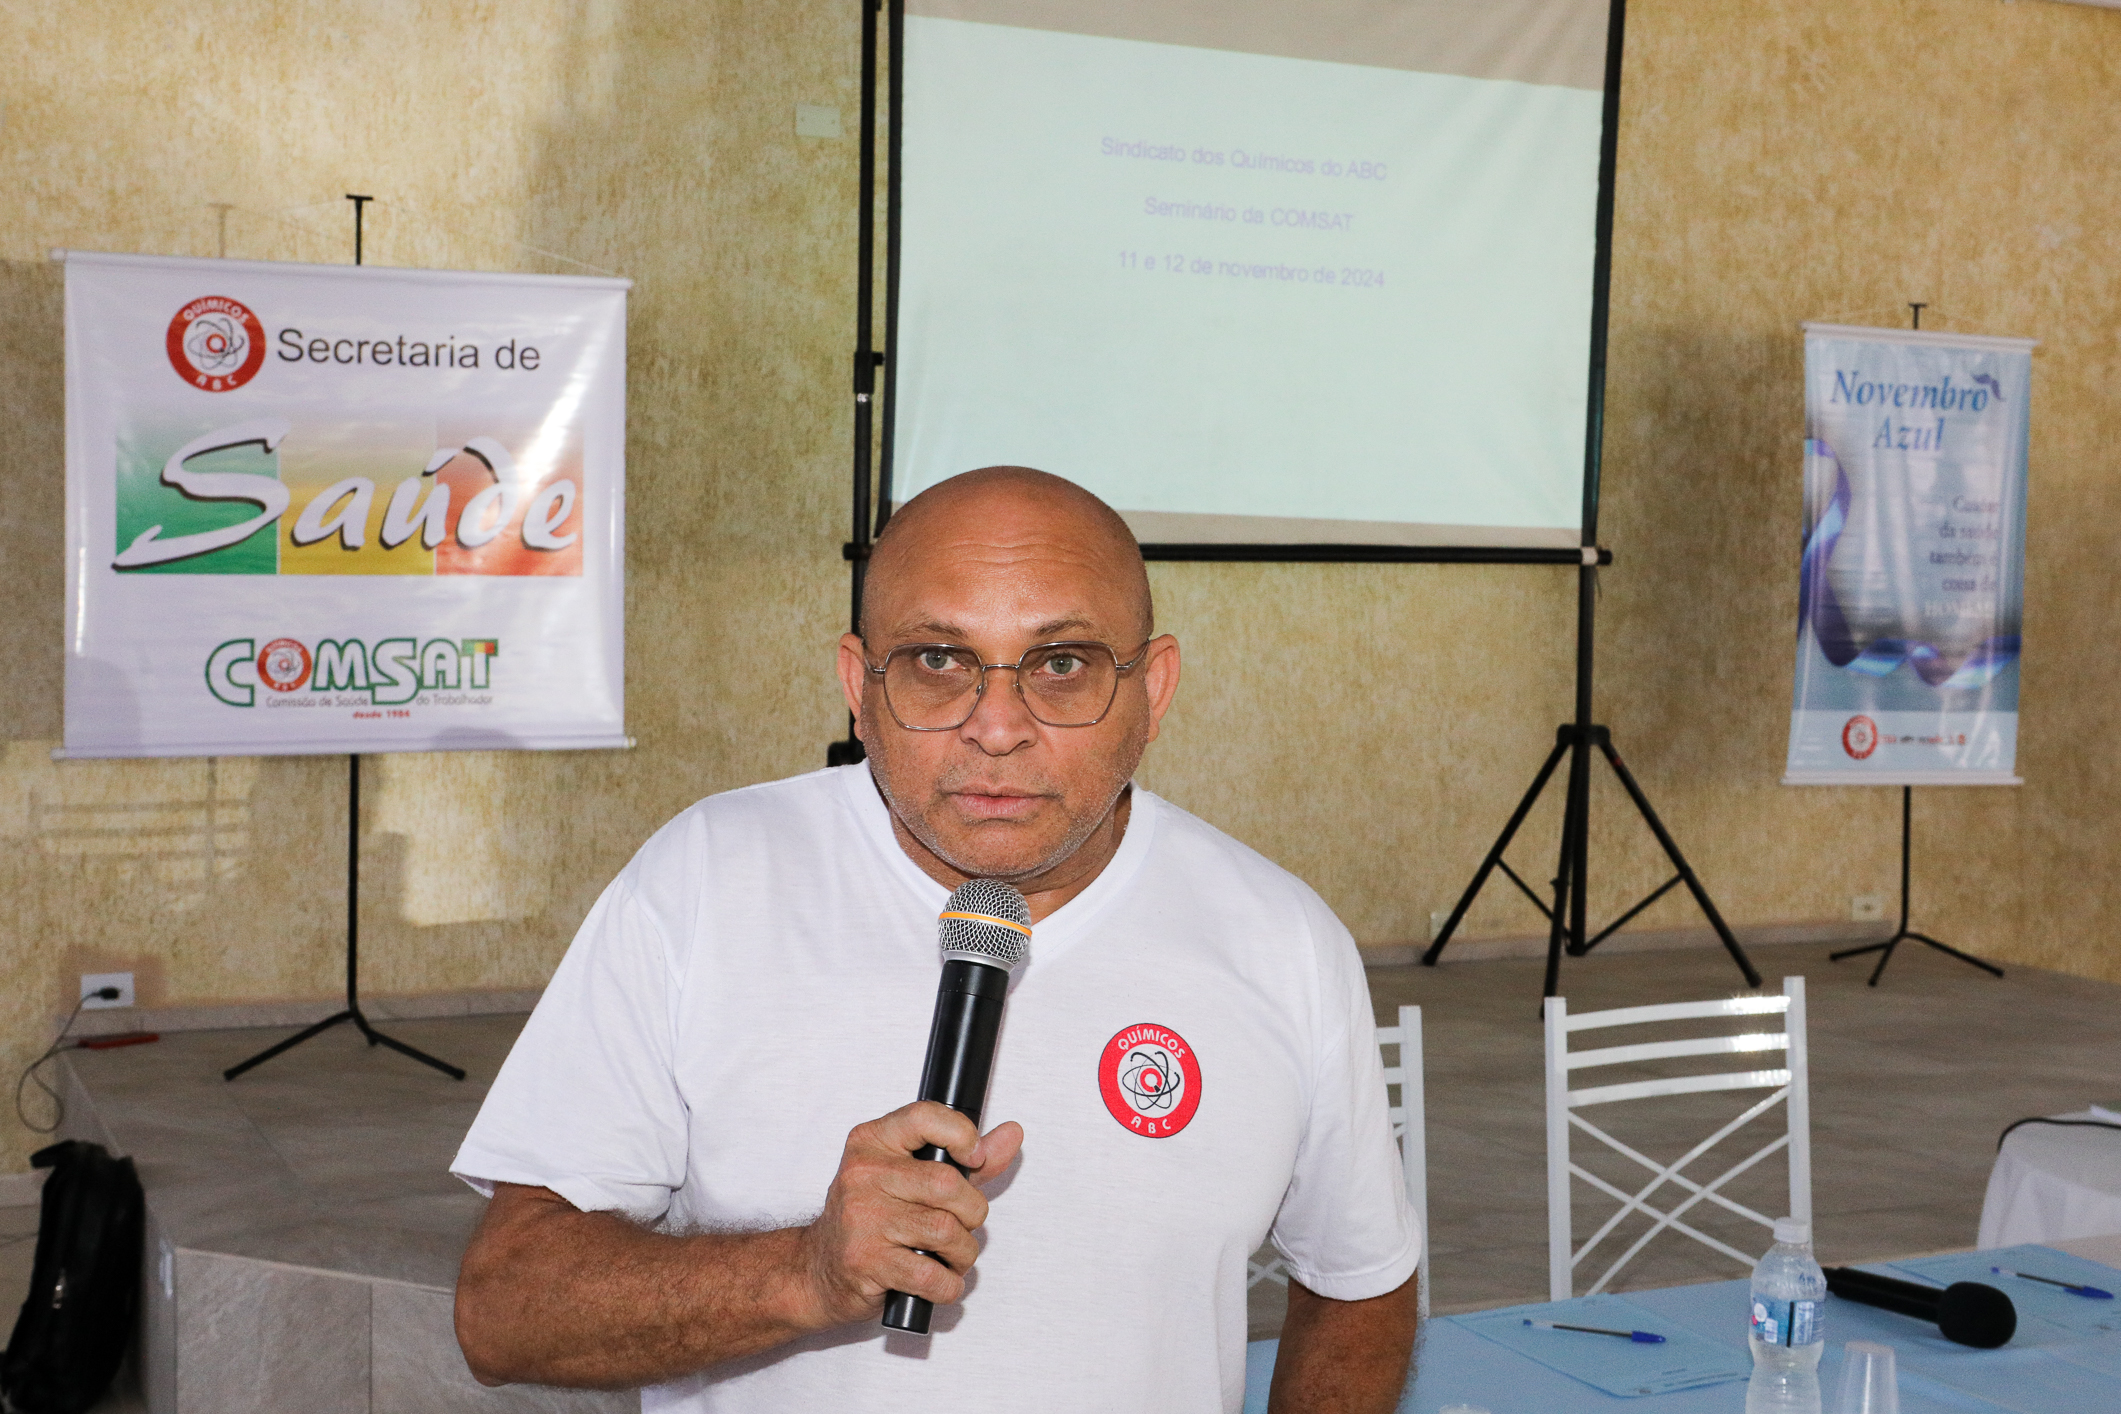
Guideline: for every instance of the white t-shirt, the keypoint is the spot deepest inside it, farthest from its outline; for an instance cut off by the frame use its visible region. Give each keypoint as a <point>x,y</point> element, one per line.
<point>759,980</point>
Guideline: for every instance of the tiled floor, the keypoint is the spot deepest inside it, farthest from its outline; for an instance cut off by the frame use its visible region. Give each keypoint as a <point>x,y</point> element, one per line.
<point>334,1155</point>
<point>1911,1084</point>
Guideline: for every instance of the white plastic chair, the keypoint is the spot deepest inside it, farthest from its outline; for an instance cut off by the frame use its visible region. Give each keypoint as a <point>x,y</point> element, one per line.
<point>1409,1127</point>
<point>1789,1083</point>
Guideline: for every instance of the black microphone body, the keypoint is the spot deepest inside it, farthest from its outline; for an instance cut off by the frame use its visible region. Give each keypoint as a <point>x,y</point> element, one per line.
<point>1967,1312</point>
<point>968,1018</point>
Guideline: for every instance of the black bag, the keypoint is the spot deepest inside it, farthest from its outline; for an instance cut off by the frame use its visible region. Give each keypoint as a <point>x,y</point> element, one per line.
<point>84,1293</point>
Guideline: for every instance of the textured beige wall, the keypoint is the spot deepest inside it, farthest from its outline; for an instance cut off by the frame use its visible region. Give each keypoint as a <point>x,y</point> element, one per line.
<point>1370,726</point>
<point>652,140</point>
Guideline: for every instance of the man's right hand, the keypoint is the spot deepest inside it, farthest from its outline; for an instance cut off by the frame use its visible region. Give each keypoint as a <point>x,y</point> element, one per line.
<point>553,1295</point>
<point>886,1208</point>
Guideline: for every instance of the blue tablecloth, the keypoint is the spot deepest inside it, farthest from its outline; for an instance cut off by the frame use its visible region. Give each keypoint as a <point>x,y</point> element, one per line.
<point>2046,1369</point>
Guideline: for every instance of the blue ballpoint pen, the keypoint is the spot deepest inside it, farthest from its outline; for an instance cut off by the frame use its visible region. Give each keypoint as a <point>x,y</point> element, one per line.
<point>1639,1337</point>
<point>2074,1288</point>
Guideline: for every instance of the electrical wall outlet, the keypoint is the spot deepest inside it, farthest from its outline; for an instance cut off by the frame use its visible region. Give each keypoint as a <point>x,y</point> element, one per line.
<point>97,981</point>
<point>1437,918</point>
<point>1867,908</point>
<point>816,120</point>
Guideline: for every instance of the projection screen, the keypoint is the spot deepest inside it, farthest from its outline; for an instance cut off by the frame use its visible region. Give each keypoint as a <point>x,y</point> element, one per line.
<point>1257,273</point>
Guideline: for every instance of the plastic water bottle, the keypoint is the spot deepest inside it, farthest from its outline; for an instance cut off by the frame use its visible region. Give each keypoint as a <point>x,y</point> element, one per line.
<point>1788,1330</point>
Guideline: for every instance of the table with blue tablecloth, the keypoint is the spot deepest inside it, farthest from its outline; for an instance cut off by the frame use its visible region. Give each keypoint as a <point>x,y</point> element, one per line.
<point>2066,1355</point>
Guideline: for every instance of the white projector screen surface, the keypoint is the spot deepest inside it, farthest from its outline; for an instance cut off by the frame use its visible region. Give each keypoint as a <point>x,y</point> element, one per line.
<point>1256,273</point>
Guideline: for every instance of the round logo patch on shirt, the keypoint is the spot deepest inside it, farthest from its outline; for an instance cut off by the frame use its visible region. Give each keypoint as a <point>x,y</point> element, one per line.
<point>1150,1079</point>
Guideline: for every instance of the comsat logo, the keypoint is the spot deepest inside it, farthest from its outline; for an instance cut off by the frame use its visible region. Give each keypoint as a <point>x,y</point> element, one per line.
<point>216,344</point>
<point>393,672</point>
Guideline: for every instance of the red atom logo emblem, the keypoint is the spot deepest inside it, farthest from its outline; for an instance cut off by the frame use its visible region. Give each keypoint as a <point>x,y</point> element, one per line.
<point>283,665</point>
<point>1150,1080</point>
<point>216,344</point>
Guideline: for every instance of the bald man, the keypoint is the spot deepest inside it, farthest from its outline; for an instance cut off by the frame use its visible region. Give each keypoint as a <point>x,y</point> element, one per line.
<point>698,1152</point>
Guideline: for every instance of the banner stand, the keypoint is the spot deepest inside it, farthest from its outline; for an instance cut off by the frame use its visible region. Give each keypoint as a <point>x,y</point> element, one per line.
<point>352,1010</point>
<point>1904,933</point>
<point>1911,591</point>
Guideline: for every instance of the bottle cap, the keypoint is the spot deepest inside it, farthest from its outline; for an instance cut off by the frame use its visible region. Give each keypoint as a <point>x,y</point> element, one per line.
<point>1793,1231</point>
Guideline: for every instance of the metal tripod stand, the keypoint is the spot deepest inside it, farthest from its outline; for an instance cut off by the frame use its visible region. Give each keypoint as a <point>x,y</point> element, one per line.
<point>1567,918</point>
<point>1904,934</point>
<point>352,1012</point>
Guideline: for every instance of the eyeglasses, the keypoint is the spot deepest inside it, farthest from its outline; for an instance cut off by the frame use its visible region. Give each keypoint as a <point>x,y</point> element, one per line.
<point>936,687</point>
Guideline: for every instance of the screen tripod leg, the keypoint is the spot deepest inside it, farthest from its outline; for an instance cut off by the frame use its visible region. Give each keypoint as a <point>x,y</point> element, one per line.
<point>1679,862</point>
<point>1488,865</point>
<point>1558,920</point>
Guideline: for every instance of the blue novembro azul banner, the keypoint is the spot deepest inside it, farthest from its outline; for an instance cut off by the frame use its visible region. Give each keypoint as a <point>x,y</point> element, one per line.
<point>1912,581</point>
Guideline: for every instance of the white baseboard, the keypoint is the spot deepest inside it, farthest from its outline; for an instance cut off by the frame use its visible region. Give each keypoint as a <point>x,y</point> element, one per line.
<point>1520,945</point>
<point>423,1006</point>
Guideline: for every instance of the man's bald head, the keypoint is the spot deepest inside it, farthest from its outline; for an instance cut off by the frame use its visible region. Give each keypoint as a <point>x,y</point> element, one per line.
<point>1004,513</point>
<point>1000,561</point>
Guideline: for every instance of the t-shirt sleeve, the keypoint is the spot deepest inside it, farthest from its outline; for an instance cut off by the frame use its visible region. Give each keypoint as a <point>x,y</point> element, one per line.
<point>1345,1228</point>
<point>586,1103</point>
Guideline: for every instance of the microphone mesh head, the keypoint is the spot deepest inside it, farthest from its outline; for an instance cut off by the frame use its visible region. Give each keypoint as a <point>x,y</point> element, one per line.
<point>986,922</point>
<point>1975,1314</point>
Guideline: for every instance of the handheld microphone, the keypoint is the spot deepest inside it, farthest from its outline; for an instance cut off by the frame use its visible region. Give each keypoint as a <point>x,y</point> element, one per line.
<point>985,932</point>
<point>1968,1312</point>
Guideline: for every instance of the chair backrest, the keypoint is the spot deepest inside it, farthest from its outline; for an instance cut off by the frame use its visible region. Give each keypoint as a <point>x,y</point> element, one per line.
<point>1409,1127</point>
<point>1788,1083</point>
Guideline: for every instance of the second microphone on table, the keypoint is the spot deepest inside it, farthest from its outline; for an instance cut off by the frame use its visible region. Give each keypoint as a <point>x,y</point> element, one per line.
<point>1969,1312</point>
<point>985,932</point>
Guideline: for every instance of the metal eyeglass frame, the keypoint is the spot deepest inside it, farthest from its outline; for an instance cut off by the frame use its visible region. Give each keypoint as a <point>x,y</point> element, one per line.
<point>978,693</point>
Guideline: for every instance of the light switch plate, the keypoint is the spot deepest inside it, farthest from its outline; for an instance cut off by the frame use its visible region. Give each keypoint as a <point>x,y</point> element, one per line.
<point>816,120</point>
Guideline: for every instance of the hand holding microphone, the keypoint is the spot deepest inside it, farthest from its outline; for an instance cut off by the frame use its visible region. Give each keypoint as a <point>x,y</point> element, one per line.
<point>985,932</point>
<point>900,1216</point>
<point>886,1210</point>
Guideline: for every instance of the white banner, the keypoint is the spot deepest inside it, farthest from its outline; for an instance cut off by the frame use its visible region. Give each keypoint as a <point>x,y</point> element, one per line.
<point>325,508</point>
<point>1913,579</point>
